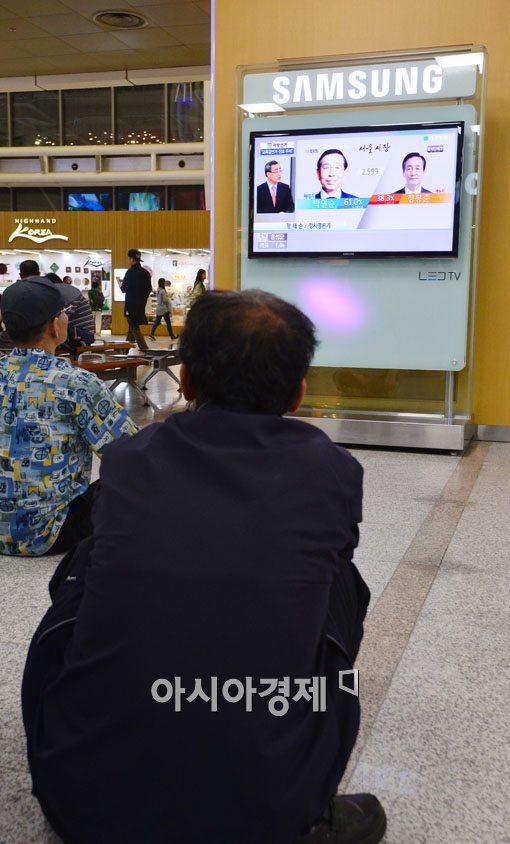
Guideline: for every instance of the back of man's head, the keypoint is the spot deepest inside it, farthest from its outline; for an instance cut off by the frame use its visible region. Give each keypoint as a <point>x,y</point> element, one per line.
<point>29,268</point>
<point>249,348</point>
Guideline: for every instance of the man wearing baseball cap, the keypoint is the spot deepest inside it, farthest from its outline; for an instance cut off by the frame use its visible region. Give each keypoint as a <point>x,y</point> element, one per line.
<point>137,287</point>
<point>52,416</point>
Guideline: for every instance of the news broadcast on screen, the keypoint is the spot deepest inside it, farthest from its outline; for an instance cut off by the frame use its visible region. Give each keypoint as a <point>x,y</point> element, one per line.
<point>356,192</point>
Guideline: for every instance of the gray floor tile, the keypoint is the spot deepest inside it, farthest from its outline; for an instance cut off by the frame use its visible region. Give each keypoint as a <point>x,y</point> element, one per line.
<point>21,820</point>
<point>436,753</point>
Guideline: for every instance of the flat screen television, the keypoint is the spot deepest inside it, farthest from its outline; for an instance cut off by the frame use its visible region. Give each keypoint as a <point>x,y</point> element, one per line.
<point>144,201</point>
<point>89,201</point>
<point>368,191</point>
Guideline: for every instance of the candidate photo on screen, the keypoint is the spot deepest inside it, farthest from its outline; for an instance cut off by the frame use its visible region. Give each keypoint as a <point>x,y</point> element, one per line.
<point>413,168</point>
<point>331,168</point>
<point>273,195</point>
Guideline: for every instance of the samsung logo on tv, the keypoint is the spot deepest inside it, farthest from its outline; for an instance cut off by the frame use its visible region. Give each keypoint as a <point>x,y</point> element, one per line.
<point>397,81</point>
<point>358,84</point>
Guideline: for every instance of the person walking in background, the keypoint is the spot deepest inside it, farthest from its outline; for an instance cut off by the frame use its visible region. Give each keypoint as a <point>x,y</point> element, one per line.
<point>163,310</point>
<point>136,286</point>
<point>96,302</point>
<point>199,286</point>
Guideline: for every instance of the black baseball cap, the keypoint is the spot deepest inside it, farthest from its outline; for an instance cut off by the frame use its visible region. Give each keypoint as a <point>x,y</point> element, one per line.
<point>135,254</point>
<point>35,300</point>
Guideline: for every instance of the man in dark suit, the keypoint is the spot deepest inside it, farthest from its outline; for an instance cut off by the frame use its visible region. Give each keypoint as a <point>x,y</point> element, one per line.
<point>331,167</point>
<point>137,287</point>
<point>186,686</point>
<point>413,168</point>
<point>273,196</point>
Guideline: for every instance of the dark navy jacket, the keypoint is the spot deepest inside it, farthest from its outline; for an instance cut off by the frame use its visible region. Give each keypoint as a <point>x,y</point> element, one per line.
<point>136,285</point>
<point>284,201</point>
<point>222,548</point>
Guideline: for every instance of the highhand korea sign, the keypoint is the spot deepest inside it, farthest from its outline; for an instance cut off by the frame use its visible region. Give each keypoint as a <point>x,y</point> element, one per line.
<point>358,85</point>
<point>36,229</point>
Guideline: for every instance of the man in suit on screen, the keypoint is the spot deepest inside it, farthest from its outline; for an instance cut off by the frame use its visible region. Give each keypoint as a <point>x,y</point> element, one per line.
<point>331,167</point>
<point>273,196</point>
<point>413,168</point>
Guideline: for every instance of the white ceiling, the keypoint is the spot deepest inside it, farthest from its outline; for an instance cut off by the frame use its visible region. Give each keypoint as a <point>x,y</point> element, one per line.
<point>59,36</point>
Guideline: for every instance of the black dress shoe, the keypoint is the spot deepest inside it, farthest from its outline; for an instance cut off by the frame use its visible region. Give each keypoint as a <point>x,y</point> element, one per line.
<point>350,819</point>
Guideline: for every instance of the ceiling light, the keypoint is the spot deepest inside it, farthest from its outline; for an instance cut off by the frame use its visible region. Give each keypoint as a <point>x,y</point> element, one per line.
<point>120,19</point>
<point>461,60</point>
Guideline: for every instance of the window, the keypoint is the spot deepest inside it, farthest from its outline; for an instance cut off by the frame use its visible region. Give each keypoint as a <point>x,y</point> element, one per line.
<point>5,199</point>
<point>87,116</point>
<point>4,135</point>
<point>186,198</point>
<point>95,198</point>
<point>37,199</point>
<point>186,111</point>
<point>139,115</point>
<point>35,118</point>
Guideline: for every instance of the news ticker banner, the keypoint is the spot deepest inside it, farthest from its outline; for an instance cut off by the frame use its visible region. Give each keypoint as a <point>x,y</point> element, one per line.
<point>390,82</point>
<point>314,204</point>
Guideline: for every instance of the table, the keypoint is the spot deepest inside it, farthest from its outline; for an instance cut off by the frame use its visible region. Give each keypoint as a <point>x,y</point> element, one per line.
<point>121,369</point>
<point>162,360</point>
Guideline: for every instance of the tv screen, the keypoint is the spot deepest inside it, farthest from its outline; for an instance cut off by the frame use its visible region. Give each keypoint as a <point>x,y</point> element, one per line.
<point>356,192</point>
<point>144,201</point>
<point>89,201</point>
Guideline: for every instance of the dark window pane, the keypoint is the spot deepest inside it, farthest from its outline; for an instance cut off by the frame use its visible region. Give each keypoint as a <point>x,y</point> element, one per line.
<point>186,111</point>
<point>139,198</point>
<point>87,116</point>
<point>35,118</point>
<point>139,115</point>
<point>186,198</point>
<point>4,137</point>
<point>88,199</point>
<point>37,199</point>
<point>5,199</point>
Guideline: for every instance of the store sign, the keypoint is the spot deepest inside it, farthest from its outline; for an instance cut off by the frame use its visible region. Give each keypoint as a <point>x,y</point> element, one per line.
<point>358,85</point>
<point>35,229</point>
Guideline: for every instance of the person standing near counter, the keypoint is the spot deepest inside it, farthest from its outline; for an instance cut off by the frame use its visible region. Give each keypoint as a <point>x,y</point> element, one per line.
<point>96,302</point>
<point>163,310</point>
<point>136,286</point>
<point>199,286</point>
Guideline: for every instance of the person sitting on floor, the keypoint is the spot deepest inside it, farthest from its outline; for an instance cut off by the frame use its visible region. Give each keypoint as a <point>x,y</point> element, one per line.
<point>186,686</point>
<point>53,416</point>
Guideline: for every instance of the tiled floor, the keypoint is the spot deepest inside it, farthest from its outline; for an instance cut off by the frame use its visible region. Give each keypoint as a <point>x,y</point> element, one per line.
<point>434,668</point>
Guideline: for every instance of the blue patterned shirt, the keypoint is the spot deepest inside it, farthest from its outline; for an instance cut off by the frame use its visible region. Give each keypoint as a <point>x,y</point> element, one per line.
<point>52,415</point>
